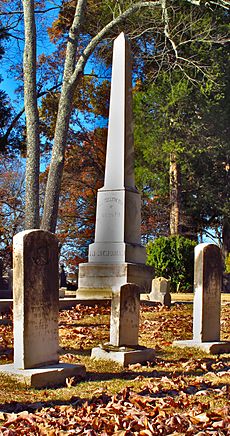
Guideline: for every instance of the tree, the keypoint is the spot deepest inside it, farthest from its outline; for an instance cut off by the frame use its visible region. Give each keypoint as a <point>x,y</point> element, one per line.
<point>75,61</point>
<point>80,45</point>
<point>11,204</point>
<point>196,135</point>
<point>76,222</point>
<point>12,140</point>
<point>174,195</point>
<point>32,118</point>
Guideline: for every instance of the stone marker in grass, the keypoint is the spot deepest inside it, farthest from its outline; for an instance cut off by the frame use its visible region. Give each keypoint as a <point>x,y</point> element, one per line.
<point>207,301</point>
<point>160,292</point>
<point>124,326</point>
<point>36,310</point>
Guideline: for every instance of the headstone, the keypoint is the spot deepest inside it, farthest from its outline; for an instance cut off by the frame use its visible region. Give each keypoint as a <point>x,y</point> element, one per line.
<point>124,326</point>
<point>3,282</point>
<point>207,301</point>
<point>6,289</point>
<point>226,283</point>
<point>117,256</point>
<point>207,296</point>
<point>160,292</point>
<point>62,292</point>
<point>10,281</point>
<point>125,309</point>
<point>36,311</point>
<point>1,271</point>
<point>62,277</point>
<point>72,281</point>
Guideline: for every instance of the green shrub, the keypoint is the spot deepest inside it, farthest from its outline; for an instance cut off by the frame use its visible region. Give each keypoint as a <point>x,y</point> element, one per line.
<point>173,257</point>
<point>227,264</point>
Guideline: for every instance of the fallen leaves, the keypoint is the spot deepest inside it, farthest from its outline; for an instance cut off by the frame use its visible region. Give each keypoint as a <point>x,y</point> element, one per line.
<point>126,413</point>
<point>177,394</point>
<point>6,341</point>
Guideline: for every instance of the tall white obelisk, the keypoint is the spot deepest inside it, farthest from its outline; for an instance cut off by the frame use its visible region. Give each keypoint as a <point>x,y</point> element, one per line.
<point>117,257</point>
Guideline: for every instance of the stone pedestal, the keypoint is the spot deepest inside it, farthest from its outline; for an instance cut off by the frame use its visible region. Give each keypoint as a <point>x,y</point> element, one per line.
<point>124,326</point>
<point>97,280</point>
<point>49,375</point>
<point>210,347</point>
<point>123,355</point>
<point>36,309</point>
<point>207,301</point>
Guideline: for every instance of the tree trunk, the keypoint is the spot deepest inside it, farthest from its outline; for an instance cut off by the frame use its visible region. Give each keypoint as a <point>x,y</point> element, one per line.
<point>53,187</point>
<point>50,213</point>
<point>225,238</point>
<point>32,119</point>
<point>175,195</point>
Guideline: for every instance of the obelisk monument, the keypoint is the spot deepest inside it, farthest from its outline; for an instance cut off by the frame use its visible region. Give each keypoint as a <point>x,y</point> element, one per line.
<point>117,257</point>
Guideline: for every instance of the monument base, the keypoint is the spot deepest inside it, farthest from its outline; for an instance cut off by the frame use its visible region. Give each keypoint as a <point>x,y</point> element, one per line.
<point>209,347</point>
<point>45,376</point>
<point>97,280</point>
<point>124,356</point>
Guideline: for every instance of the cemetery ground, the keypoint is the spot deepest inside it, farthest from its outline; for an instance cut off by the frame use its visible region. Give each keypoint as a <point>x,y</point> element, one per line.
<point>183,391</point>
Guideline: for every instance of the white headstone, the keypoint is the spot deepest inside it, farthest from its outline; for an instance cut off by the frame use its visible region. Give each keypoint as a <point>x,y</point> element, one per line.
<point>36,299</point>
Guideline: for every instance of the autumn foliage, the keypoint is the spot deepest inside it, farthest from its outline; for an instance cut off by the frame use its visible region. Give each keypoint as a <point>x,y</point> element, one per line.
<point>83,176</point>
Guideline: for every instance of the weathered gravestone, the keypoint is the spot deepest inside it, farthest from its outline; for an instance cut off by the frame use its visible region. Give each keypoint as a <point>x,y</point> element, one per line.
<point>3,281</point>
<point>124,326</point>
<point>1,273</point>
<point>160,292</point>
<point>117,256</point>
<point>62,277</point>
<point>62,282</point>
<point>10,281</point>
<point>207,301</point>
<point>36,310</point>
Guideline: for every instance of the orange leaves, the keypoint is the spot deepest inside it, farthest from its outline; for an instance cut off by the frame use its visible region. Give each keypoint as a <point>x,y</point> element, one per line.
<point>156,400</point>
<point>116,417</point>
<point>63,22</point>
<point>83,175</point>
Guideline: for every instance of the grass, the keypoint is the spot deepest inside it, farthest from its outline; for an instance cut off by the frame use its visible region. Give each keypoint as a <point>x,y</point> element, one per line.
<point>188,297</point>
<point>188,376</point>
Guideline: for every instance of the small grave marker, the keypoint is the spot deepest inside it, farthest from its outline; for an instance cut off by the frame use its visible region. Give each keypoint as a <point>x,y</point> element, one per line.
<point>124,325</point>
<point>160,291</point>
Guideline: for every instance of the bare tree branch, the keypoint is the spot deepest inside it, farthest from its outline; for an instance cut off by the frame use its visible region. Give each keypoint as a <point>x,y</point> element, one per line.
<point>38,11</point>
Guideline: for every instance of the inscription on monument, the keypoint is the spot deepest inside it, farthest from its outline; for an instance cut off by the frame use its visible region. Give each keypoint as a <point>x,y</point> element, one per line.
<point>113,200</point>
<point>40,255</point>
<point>105,253</point>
